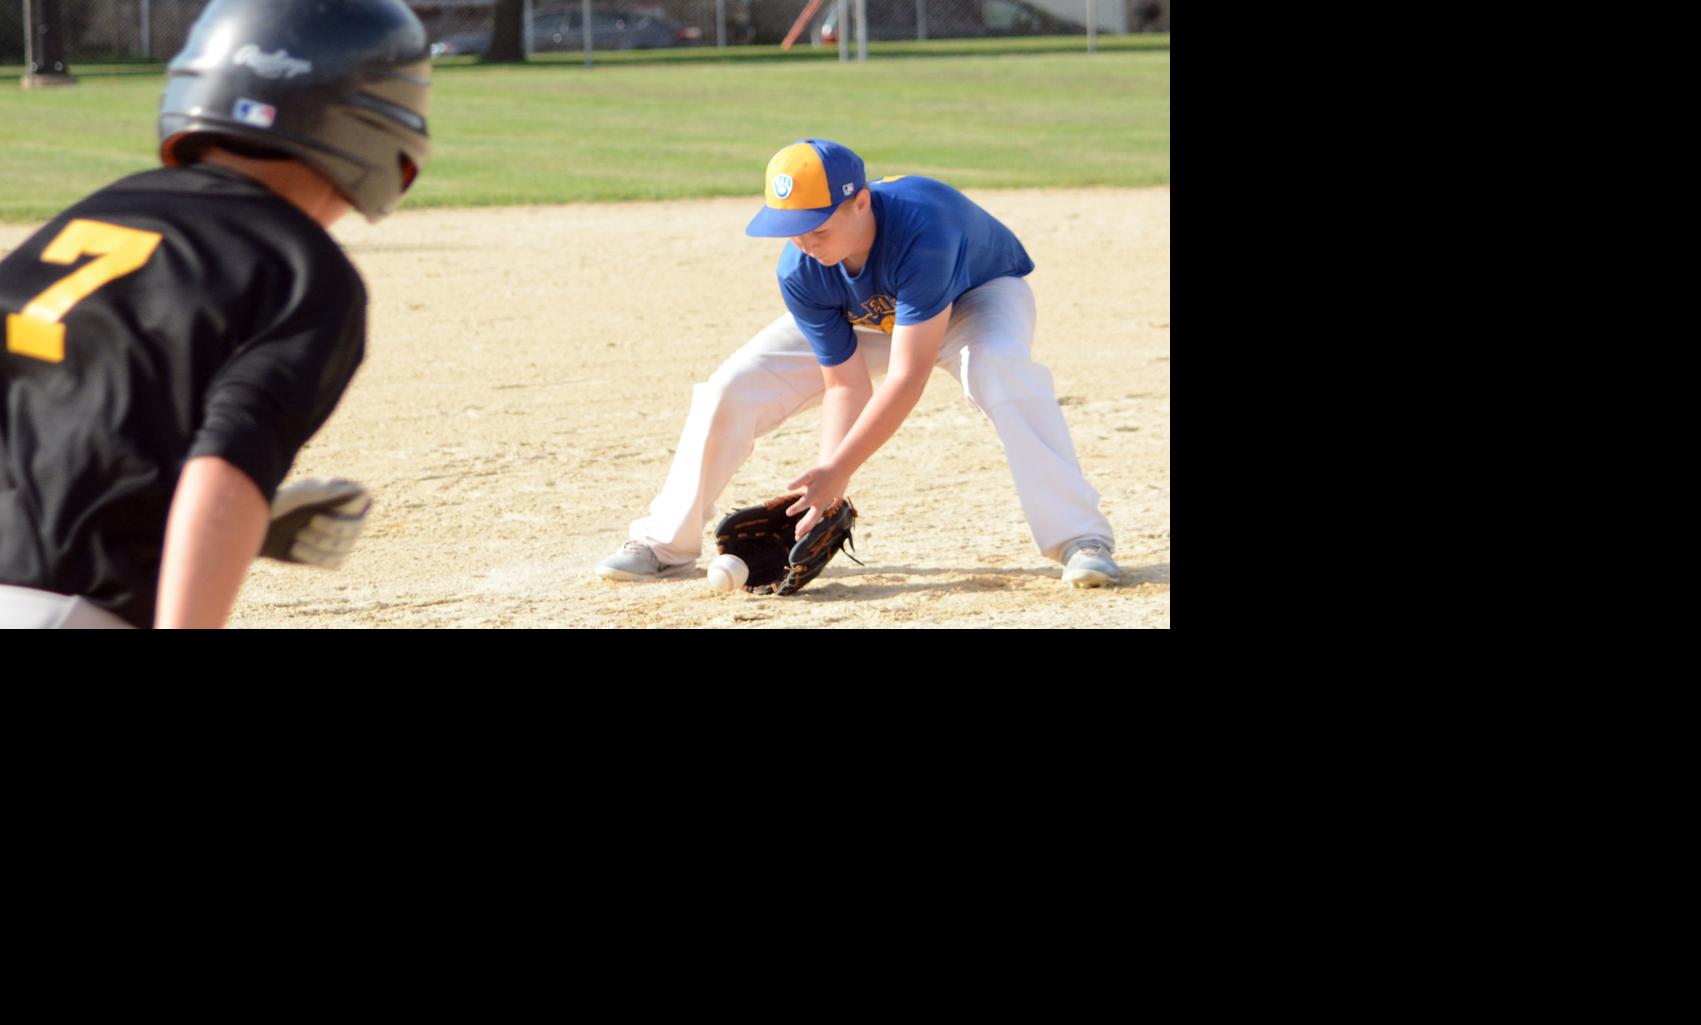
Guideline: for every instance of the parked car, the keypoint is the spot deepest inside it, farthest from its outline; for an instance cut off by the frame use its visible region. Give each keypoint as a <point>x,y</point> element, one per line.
<point>896,19</point>
<point>564,30</point>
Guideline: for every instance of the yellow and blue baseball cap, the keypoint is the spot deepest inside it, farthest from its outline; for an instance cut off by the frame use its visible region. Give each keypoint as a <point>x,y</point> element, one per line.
<point>806,182</point>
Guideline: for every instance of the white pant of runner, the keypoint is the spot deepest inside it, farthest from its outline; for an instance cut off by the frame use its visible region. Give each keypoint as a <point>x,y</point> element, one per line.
<point>25,608</point>
<point>775,376</point>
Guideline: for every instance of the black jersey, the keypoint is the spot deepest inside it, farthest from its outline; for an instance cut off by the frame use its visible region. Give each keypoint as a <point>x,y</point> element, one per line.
<point>173,314</point>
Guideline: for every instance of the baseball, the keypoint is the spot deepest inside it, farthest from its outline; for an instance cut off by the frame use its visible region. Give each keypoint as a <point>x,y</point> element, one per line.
<point>728,573</point>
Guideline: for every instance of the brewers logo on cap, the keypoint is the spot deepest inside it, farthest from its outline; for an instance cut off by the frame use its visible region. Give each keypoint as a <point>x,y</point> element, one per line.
<point>797,179</point>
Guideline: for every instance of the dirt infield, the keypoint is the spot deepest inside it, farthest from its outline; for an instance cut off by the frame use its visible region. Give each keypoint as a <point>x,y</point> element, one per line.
<point>529,371</point>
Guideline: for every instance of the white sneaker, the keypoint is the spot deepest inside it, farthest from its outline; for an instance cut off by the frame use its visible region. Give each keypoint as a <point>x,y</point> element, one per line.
<point>1086,563</point>
<point>636,561</point>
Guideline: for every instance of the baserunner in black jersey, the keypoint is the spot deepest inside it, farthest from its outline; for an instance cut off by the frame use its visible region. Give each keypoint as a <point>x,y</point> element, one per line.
<point>173,340</point>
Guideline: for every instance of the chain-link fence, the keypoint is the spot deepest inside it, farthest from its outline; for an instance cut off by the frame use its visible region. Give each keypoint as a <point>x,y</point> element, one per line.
<point>968,19</point>
<point>102,30</point>
<point>108,30</point>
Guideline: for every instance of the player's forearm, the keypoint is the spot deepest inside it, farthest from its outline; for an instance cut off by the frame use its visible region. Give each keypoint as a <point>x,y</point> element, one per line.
<point>879,420</point>
<point>915,349</point>
<point>218,518</point>
<point>840,408</point>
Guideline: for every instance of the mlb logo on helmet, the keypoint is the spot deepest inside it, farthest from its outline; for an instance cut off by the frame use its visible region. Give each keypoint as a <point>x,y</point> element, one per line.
<point>806,182</point>
<point>253,112</point>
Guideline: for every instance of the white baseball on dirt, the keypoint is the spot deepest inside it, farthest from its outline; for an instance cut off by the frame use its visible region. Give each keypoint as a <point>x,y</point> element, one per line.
<point>728,573</point>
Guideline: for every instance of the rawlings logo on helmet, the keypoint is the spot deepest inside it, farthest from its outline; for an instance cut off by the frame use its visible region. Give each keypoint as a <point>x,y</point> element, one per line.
<point>782,185</point>
<point>271,65</point>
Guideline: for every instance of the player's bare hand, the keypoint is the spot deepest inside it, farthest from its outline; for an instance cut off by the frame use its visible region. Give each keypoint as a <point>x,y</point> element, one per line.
<point>316,522</point>
<point>822,486</point>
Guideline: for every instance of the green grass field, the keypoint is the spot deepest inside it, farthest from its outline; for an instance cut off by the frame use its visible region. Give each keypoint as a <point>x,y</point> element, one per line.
<point>687,123</point>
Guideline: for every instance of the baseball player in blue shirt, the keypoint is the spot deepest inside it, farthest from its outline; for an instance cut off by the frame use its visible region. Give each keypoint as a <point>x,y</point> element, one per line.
<point>897,277</point>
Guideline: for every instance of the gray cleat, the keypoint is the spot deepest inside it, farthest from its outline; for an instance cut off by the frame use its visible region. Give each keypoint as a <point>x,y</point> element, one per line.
<point>635,561</point>
<point>1087,563</point>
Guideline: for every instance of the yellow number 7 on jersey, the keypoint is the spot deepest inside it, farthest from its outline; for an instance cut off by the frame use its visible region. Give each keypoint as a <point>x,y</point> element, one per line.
<point>36,332</point>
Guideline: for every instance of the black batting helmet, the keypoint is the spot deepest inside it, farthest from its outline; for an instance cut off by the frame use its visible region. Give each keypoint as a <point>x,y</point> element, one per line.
<point>337,84</point>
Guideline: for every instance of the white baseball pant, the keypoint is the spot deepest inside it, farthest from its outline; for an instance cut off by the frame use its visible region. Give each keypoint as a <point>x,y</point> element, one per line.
<point>775,375</point>
<point>25,608</point>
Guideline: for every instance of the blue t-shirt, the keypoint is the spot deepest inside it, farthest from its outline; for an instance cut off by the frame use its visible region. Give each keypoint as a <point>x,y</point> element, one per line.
<point>931,244</point>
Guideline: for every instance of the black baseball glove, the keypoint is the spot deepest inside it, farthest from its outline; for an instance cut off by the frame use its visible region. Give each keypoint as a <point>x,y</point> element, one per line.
<point>763,536</point>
